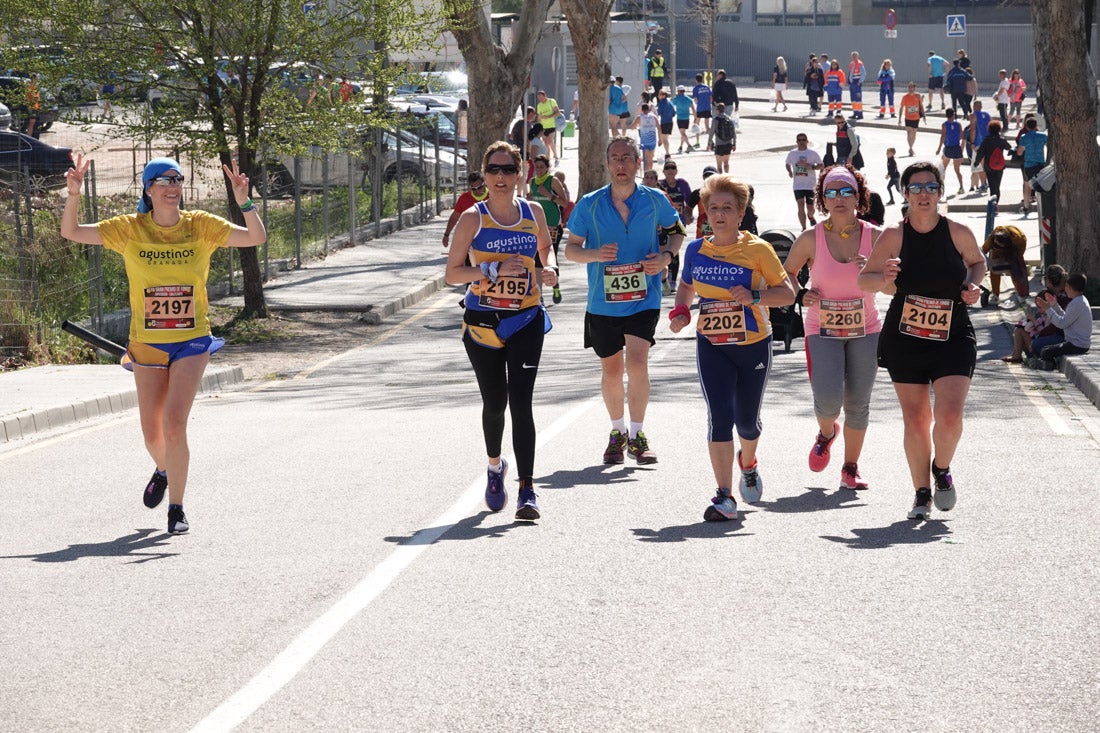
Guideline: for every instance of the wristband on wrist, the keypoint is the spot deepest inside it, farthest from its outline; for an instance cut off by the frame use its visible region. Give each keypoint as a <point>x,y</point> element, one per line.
<point>680,310</point>
<point>755,297</point>
<point>490,270</point>
<point>247,206</point>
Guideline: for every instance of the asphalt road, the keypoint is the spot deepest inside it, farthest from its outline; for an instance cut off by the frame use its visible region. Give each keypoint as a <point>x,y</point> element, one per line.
<point>343,574</point>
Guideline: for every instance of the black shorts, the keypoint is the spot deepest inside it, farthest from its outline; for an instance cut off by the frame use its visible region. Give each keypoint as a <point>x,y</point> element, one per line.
<point>1031,171</point>
<point>913,123</point>
<point>666,128</point>
<point>953,152</point>
<point>606,335</point>
<point>935,82</point>
<point>624,115</point>
<point>911,360</point>
<point>804,193</point>
<point>723,148</point>
<point>683,124</point>
<point>703,114</point>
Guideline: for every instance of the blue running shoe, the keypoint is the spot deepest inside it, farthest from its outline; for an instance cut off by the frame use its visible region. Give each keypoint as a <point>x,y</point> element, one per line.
<point>752,486</point>
<point>722,507</point>
<point>496,497</point>
<point>527,509</point>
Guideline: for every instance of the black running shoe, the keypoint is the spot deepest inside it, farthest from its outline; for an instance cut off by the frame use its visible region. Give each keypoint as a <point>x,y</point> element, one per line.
<point>177,520</point>
<point>154,490</point>
<point>527,507</point>
<point>922,504</point>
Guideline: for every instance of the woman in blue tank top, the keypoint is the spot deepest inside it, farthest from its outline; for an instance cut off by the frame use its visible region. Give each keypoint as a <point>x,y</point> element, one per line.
<point>508,244</point>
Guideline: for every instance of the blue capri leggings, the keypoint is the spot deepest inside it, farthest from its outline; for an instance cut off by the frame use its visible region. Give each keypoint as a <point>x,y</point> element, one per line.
<point>733,379</point>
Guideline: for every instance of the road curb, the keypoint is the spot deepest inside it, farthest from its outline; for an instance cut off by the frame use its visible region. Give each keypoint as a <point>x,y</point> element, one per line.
<point>26,425</point>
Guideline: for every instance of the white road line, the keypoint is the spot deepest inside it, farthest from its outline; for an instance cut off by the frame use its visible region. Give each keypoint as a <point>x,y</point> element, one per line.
<point>1044,408</point>
<point>284,667</point>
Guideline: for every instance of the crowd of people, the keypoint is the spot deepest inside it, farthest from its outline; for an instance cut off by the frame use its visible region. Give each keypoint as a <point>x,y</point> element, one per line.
<point>503,242</point>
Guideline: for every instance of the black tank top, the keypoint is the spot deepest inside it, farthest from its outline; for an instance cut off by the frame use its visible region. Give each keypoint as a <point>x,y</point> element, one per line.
<point>930,264</point>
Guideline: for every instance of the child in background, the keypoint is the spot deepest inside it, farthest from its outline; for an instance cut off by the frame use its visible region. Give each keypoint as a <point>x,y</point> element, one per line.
<point>892,175</point>
<point>1075,321</point>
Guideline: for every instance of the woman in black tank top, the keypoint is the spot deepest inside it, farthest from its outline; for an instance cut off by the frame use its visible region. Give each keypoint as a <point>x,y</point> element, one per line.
<point>932,266</point>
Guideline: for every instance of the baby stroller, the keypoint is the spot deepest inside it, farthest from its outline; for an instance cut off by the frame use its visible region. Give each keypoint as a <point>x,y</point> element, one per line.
<point>786,320</point>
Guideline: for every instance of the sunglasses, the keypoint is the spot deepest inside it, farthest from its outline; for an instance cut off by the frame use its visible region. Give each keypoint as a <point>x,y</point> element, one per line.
<point>169,181</point>
<point>478,187</point>
<point>915,188</point>
<point>801,140</point>
<point>508,170</point>
<point>845,193</point>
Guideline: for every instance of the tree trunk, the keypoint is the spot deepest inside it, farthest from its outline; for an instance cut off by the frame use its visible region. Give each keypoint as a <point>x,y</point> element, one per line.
<point>255,305</point>
<point>589,25</point>
<point>1068,85</point>
<point>497,79</point>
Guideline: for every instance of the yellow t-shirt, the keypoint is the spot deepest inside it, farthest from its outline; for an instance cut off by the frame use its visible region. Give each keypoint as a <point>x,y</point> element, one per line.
<point>167,268</point>
<point>546,113</point>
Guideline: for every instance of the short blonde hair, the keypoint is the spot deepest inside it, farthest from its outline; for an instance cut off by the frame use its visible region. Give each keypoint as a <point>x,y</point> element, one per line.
<point>725,183</point>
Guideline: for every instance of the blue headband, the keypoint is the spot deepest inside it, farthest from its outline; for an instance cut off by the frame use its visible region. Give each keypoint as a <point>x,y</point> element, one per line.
<point>154,168</point>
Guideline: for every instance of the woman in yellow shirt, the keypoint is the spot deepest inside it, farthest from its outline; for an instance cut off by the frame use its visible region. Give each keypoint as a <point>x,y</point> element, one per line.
<point>167,255</point>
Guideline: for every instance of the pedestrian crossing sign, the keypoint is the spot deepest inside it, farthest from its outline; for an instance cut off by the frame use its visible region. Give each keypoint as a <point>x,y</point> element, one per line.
<point>956,25</point>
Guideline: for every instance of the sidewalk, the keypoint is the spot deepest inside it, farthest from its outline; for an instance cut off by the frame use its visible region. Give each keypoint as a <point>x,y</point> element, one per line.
<point>381,276</point>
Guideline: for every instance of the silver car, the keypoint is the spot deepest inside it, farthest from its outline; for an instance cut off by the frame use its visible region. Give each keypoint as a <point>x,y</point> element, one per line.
<point>5,117</point>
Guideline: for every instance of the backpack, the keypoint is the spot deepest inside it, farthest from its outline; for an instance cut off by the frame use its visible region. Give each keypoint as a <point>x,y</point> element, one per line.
<point>996,159</point>
<point>723,128</point>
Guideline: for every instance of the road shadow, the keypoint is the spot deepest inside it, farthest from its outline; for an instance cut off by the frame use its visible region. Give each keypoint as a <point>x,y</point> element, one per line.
<point>469,528</point>
<point>599,475</point>
<point>814,499</point>
<point>701,530</point>
<point>904,532</point>
<point>132,545</point>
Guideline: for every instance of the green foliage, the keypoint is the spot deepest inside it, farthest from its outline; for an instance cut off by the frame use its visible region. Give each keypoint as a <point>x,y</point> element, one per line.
<point>275,49</point>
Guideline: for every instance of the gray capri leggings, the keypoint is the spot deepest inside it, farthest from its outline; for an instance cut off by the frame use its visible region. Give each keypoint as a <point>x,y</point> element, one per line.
<point>842,373</point>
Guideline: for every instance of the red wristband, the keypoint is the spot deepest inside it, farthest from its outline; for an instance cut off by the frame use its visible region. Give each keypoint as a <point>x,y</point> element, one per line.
<point>680,310</point>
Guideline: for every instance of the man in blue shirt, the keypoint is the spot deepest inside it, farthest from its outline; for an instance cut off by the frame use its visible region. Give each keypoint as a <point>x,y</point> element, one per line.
<point>685,108</point>
<point>979,128</point>
<point>701,94</point>
<point>1033,145</point>
<point>614,231</point>
<point>666,113</point>
<point>937,66</point>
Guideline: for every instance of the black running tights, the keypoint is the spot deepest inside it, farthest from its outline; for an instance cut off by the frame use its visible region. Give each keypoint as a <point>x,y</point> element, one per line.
<point>506,377</point>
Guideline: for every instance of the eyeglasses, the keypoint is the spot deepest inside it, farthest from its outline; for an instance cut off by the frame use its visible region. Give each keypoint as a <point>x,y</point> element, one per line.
<point>845,193</point>
<point>478,187</point>
<point>916,188</point>
<point>622,159</point>
<point>508,170</point>
<point>169,180</point>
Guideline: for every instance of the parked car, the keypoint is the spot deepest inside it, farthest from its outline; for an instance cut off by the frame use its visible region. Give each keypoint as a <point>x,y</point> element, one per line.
<point>277,179</point>
<point>13,93</point>
<point>45,164</point>
<point>448,83</point>
<point>425,111</point>
<point>5,117</point>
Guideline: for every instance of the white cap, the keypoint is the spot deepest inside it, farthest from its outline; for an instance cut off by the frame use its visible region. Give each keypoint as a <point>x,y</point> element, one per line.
<point>681,88</point>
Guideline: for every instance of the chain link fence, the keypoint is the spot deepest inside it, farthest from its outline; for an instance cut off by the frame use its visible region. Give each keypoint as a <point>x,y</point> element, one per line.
<point>311,204</point>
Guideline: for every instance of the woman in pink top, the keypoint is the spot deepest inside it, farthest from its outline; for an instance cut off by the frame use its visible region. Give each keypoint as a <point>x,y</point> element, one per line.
<point>842,323</point>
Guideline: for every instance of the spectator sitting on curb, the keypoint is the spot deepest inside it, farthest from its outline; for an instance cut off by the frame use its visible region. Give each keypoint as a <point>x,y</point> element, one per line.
<point>1035,325</point>
<point>1075,321</point>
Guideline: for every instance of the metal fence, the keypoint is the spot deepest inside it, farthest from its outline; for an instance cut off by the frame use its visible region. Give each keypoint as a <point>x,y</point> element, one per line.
<point>311,204</point>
